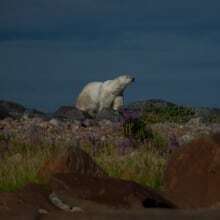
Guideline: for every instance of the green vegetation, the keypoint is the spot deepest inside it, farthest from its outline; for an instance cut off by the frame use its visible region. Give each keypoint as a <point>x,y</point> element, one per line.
<point>137,129</point>
<point>21,164</point>
<point>144,166</point>
<point>173,113</point>
<point>143,163</point>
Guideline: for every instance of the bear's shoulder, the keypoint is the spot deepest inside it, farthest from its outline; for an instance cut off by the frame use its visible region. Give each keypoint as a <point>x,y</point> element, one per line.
<point>94,83</point>
<point>92,86</point>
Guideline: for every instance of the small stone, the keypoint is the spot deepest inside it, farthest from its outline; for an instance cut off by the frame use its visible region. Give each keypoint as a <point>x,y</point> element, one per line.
<point>195,122</point>
<point>185,139</point>
<point>43,211</point>
<point>54,122</point>
<point>76,209</point>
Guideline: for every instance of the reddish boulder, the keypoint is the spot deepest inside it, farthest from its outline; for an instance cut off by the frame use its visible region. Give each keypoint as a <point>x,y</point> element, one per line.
<point>106,191</point>
<point>71,160</point>
<point>192,178</point>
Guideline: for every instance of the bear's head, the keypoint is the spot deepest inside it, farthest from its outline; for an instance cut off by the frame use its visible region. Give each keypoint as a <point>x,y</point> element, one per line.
<point>120,83</point>
<point>125,79</point>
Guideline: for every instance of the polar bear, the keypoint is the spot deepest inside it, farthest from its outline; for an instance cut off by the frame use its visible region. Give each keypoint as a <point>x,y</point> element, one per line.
<point>97,96</point>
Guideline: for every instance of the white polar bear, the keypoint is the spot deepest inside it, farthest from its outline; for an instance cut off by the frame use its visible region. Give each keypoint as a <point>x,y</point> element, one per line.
<point>97,96</point>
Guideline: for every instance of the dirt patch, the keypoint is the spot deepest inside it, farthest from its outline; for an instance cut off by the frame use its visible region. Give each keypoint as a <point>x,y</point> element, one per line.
<point>155,214</point>
<point>25,203</point>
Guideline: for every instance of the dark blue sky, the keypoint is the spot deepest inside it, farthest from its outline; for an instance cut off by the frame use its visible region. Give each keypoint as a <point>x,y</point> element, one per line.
<point>50,48</point>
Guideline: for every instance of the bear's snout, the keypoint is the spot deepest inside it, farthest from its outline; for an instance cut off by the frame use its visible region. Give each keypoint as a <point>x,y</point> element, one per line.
<point>132,79</point>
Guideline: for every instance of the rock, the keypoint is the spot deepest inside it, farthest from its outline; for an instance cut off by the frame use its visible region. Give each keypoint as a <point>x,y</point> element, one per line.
<point>55,122</point>
<point>107,191</point>
<point>72,160</point>
<point>11,109</point>
<point>194,122</point>
<point>33,113</point>
<point>69,112</point>
<point>59,203</point>
<point>209,114</point>
<point>3,113</point>
<point>105,123</point>
<point>109,114</point>
<point>215,128</point>
<point>185,139</point>
<point>88,123</point>
<point>42,211</point>
<point>192,177</point>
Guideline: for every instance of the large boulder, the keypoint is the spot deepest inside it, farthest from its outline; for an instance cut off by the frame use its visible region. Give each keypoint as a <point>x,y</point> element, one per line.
<point>192,177</point>
<point>109,114</point>
<point>34,113</point>
<point>71,160</point>
<point>69,113</point>
<point>4,113</point>
<point>107,191</point>
<point>11,109</point>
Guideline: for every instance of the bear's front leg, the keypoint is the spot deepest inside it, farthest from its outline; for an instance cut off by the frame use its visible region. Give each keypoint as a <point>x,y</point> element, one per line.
<point>118,103</point>
<point>106,100</point>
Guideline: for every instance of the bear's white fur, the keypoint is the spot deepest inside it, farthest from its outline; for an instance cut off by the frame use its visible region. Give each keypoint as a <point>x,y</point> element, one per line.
<point>97,96</point>
<point>118,103</point>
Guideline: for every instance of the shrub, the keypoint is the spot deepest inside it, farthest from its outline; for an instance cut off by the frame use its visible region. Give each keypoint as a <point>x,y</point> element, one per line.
<point>134,126</point>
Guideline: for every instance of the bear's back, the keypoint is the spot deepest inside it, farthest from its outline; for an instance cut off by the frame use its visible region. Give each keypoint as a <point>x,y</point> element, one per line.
<point>89,96</point>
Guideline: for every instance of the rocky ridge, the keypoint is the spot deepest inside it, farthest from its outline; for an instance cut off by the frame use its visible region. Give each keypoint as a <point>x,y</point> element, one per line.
<point>75,177</point>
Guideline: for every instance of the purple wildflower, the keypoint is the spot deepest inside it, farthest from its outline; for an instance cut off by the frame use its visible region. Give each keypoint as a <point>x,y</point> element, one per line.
<point>173,142</point>
<point>130,115</point>
<point>125,145</point>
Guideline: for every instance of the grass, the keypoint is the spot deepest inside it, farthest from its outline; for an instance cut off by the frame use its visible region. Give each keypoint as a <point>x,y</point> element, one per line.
<point>143,164</point>
<point>21,164</point>
<point>14,175</point>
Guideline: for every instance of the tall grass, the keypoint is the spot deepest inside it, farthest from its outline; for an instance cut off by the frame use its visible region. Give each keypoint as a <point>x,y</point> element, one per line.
<point>21,164</point>
<point>144,165</point>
